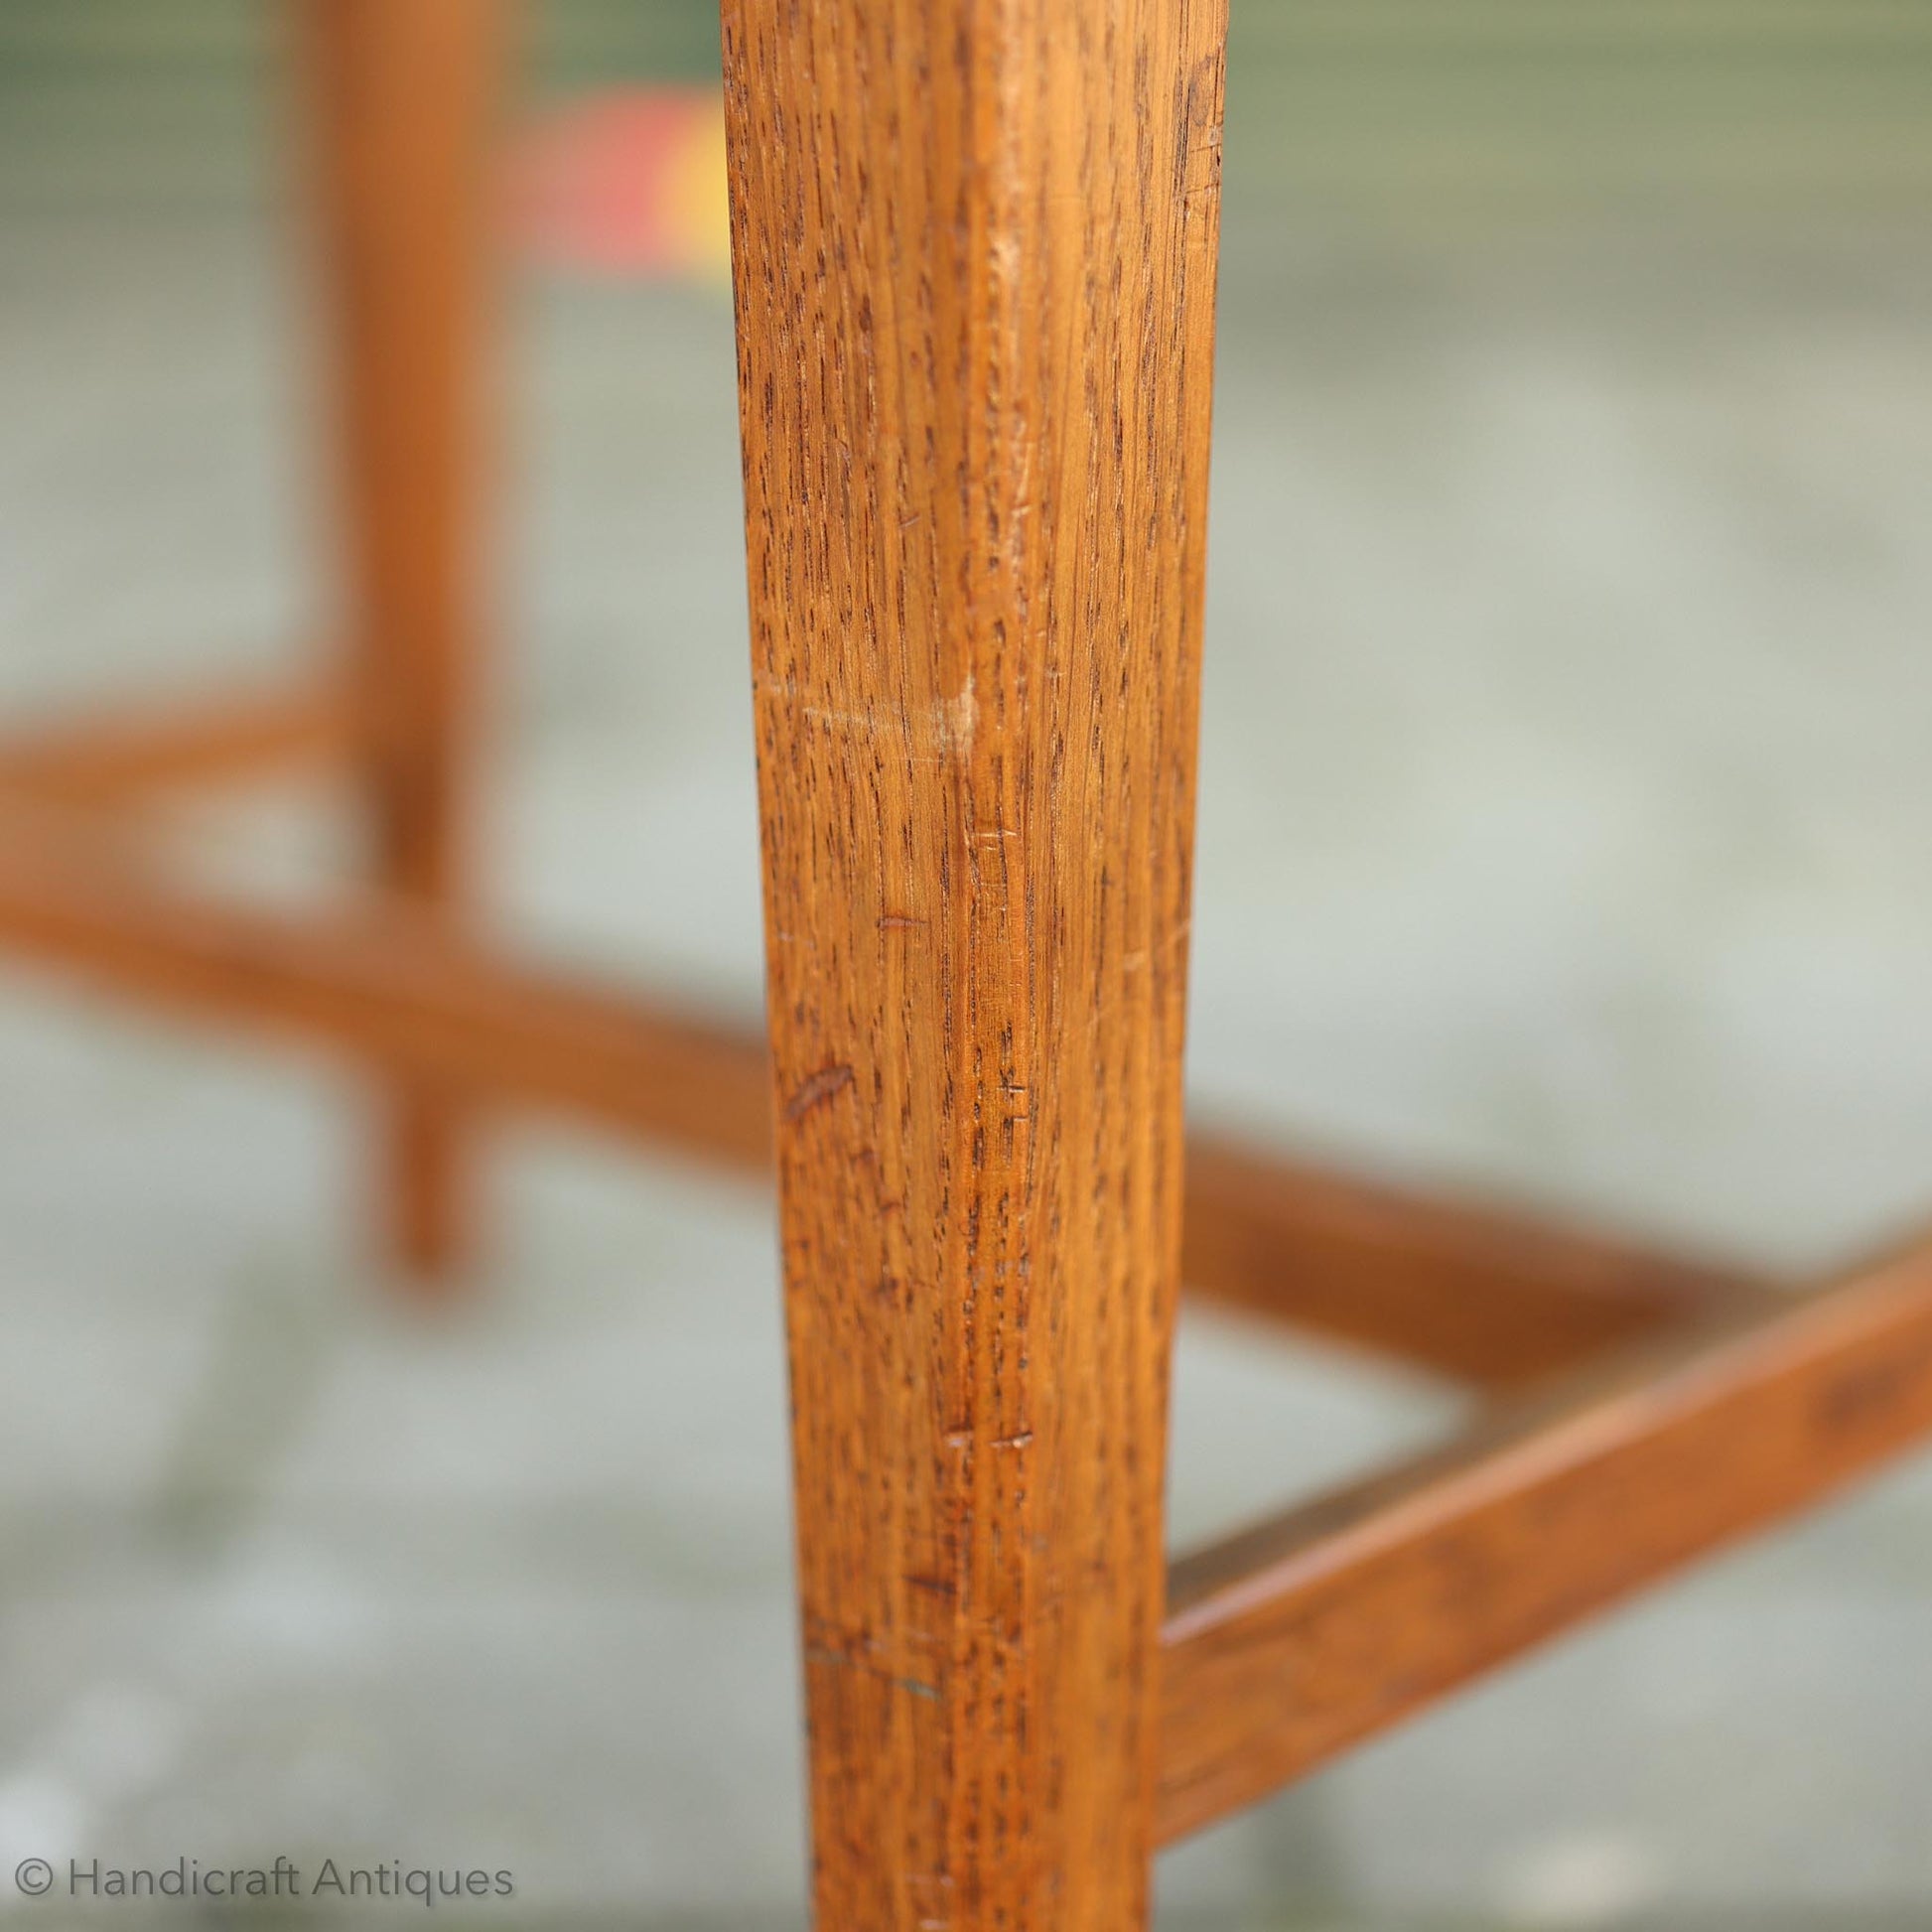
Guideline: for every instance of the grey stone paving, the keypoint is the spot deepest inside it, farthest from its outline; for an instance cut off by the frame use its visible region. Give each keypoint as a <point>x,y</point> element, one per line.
<point>1565,825</point>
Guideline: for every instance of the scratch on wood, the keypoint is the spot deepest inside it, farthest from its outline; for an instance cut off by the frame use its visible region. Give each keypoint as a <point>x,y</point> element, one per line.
<point>958,719</point>
<point>838,1660</point>
<point>815,1089</point>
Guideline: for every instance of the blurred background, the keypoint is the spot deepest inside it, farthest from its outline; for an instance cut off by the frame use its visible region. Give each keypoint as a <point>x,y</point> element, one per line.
<point>1565,832</point>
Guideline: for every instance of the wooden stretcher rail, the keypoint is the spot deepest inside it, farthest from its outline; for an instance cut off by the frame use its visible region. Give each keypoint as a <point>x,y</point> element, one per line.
<point>1287,1644</point>
<point>1488,1298</point>
<point>1485,1295</point>
<point>108,760</point>
<point>387,987</point>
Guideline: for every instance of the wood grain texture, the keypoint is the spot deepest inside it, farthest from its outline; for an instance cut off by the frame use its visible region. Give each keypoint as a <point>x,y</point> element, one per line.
<point>974,257</point>
<point>1313,1632</point>
<point>1494,1298</point>
<point>126,756</point>
<point>405,109</point>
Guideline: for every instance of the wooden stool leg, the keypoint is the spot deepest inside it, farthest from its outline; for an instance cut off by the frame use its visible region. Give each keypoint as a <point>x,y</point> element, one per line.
<point>406,92</point>
<point>975,250</point>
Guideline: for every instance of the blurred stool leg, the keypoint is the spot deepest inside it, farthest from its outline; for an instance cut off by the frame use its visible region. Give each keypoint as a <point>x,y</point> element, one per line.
<point>407,95</point>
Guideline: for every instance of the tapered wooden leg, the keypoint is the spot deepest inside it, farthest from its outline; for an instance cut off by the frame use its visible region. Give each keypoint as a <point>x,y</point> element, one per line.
<point>974,253</point>
<point>405,92</point>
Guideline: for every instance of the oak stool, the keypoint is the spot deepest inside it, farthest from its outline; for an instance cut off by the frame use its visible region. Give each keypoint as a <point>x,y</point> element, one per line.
<point>974,252</point>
